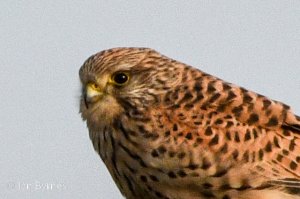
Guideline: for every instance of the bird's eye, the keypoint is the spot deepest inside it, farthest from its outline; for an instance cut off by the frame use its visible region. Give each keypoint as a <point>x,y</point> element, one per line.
<point>120,78</point>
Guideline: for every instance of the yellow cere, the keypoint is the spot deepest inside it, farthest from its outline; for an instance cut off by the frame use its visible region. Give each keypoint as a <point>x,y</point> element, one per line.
<point>92,90</point>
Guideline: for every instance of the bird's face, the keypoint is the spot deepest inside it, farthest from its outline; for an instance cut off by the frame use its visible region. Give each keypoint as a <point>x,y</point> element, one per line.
<point>98,102</point>
<point>115,80</point>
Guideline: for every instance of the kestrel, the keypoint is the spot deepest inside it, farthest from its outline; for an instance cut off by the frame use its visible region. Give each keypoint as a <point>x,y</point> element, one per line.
<point>166,130</point>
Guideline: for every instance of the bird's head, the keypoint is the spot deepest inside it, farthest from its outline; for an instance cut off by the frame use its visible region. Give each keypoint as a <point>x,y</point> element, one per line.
<point>119,80</point>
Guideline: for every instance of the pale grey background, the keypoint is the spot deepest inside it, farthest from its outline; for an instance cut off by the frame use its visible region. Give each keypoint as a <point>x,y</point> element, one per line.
<point>255,44</point>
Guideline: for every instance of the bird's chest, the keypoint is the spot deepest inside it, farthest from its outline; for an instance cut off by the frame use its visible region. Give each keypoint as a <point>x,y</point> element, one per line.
<point>124,164</point>
<point>137,171</point>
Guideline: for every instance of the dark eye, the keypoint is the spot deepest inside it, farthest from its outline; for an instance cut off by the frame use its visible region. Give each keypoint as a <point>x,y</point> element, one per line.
<point>120,78</point>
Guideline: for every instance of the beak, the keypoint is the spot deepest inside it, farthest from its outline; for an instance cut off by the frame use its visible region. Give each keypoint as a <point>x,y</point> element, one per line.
<point>91,94</point>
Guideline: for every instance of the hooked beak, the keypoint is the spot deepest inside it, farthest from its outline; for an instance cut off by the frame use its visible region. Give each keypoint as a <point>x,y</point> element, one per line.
<point>92,93</point>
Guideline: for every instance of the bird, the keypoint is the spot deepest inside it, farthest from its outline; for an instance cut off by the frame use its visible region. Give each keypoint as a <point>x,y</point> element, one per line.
<point>167,130</point>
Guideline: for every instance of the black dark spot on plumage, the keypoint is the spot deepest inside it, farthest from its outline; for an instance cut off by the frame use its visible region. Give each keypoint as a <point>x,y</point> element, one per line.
<point>212,113</point>
<point>129,184</point>
<point>175,94</point>
<point>149,188</point>
<point>171,154</point>
<point>171,174</point>
<point>206,164</point>
<point>276,142</point>
<point>198,141</point>
<point>226,87</point>
<point>143,178</point>
<point>197,86</point>
<point>229,124</point>
<point>154,153</point>
<point>224,148</point>
<point>246,156</point>
<point>211,88</point>
<point>266,103</point>
<point>220,172</point>
<point>153,178</point>
<point>133,155</point>
<point>243,90</point>
<point>237,111</point>
<point>142,129</point>
<point>175,127</point>
<point>189,136</point>
<point>247,98</point>
<point>230,96</point>
<point>253,156</point>
<point>161,149</point>
<point>214,140</point>
<point>208,131</point>
<point>293,165</point>
<point>255,134</point>
<point>192,166</point>
<point>285,152</point>
<point>152,136</point>
<point>235,154</point>
<point>207,185</point>
<point>181,173</point>
<point>273,121</point>
<point>158,194</point>
<point>236,137</point>
<point>259,168</point>
<point>221,107</point>
<point>167,99</point>
<point>180,114</point>
<point>226,197</point>
<point>268,147</point>
<point>181,155</point>
<point>228,135</point>
<point>197,123</point>
<point>253,118</point>
<point>186,97</point>
<point>228,117</point>
<point>260,154</point>
<point>175,106</point>
<point>214,98</point>
<point>167,133</point>
<point>247,135</point>
<point>292,145</point>
<point>286,132</point>
<point>188,106</point>
<point>279,157</point>
<point>244,187</point>
<point>198,98</point>
<point>219,121</point>
<point>204,107</point>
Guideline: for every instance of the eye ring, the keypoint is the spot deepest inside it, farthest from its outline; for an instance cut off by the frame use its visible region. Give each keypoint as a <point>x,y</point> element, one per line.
<point>120,78</point>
